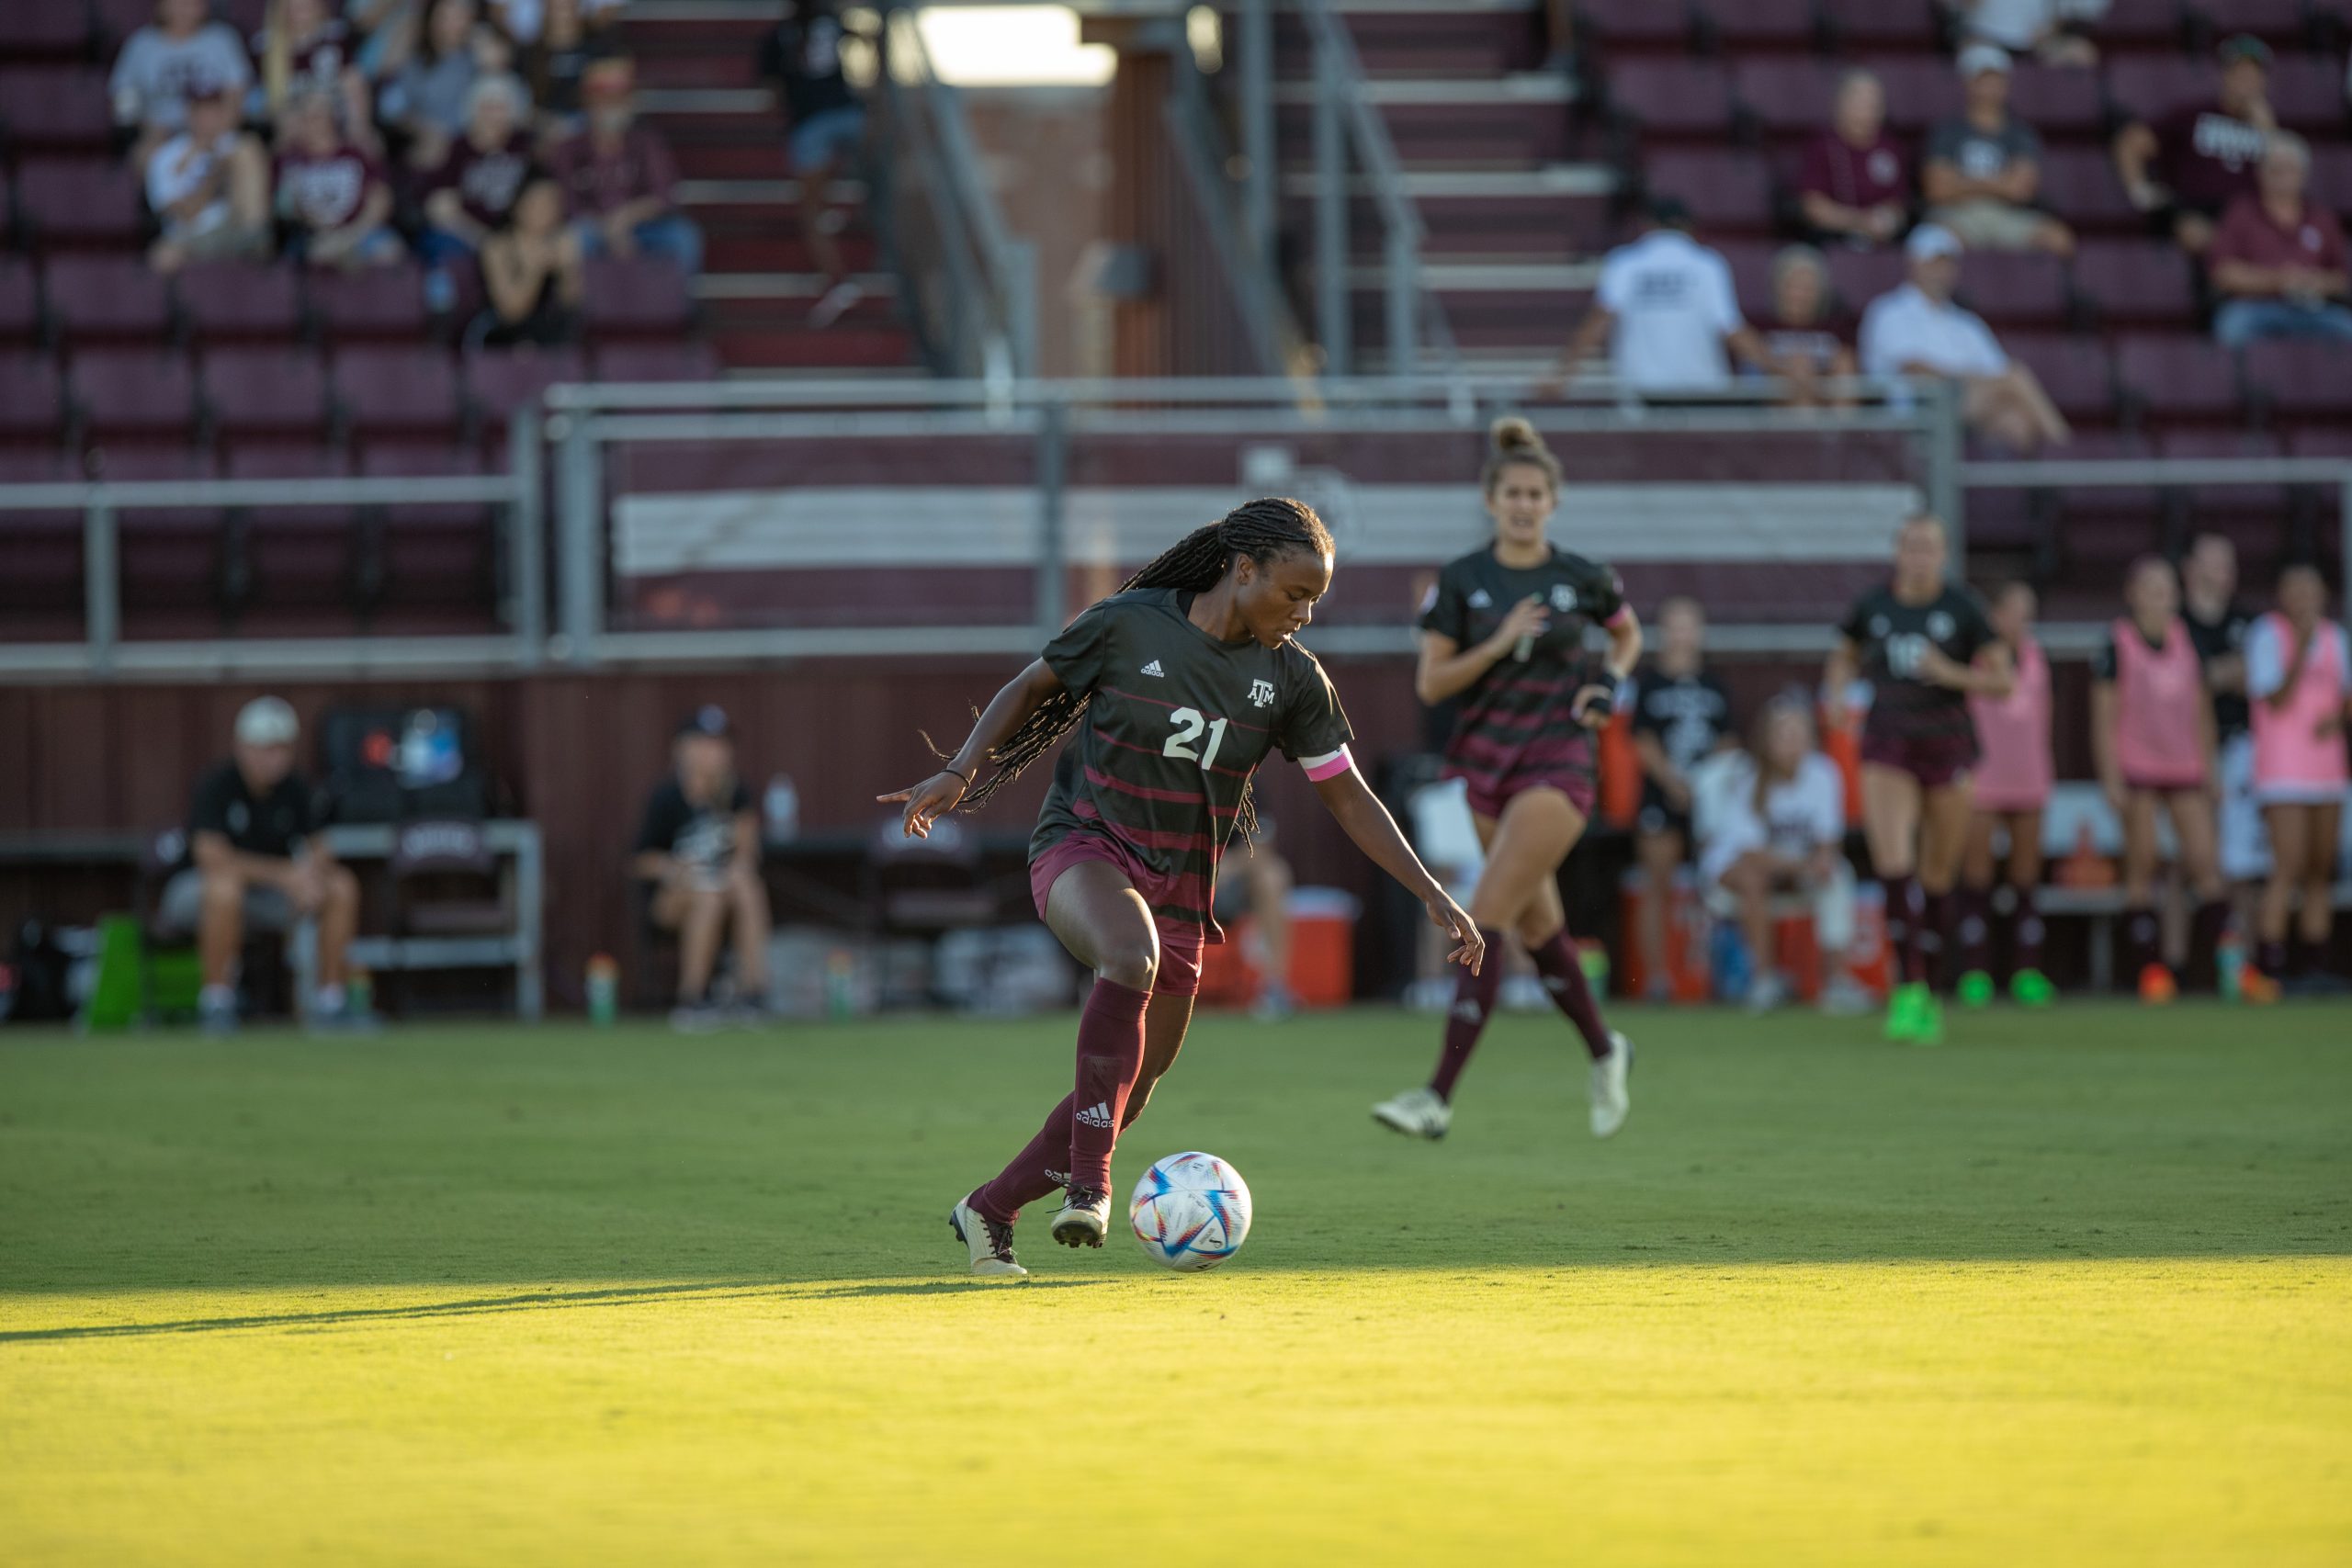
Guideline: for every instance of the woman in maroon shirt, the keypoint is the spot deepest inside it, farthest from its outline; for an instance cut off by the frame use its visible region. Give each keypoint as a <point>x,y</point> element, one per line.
<point>2278,259</point>
<point>1854,185</point>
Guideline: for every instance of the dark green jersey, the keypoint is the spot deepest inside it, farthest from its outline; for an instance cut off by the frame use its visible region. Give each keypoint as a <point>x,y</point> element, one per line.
<point>1176,723</point>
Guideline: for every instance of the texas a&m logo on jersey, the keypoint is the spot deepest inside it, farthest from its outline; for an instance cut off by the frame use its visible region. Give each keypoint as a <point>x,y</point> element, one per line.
<point>1941,627</point>
<point>1261,693</point>
<point>1563,598</point>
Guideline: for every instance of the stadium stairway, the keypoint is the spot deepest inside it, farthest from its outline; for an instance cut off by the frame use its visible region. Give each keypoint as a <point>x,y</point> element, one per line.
<point>697,71</point>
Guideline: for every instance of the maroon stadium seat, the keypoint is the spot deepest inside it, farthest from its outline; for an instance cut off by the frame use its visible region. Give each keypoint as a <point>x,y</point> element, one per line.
<point>50,110</point>
<point>2058,103</point>
<point>2233,500</point>
<point>1667,97</point>
<point>1727,192</point>
<point>2279,22</point>
<point>411,391</point>
<point>271,460</point>
<point>1788,97</point>
<point>375,304</point>
<point>2076,371</point>
<point>142,393</point>
<point>2145,24</point>
<point>170,558</point>
<point>118,297</point>
<point>32,404</point>
<point>119,18</point>
<point>2320,441</point>
<point>20,302</point>
<point>2136,280</point>
<point>1642,24</point>
<point>40,554</point>
<point>1768,24</point>
<point>642,296</point>
<point>274,391</point>
<point>1860,277</point>
<point>2177,376</point>
<point>441,557</point>
<point>692,361</point>
<point>1883,24</point>
<point>2301,381</point>
<point>2002,520</point>
<point>1920,90</point>
<point>2078,183</point>
<point>2332,177</point>
<point>502,380</point>
<point>2102,528</point>
<point>2007,286</point>
<point>2148,89</point>
<point>80,202</point>
<point>2307,93</point>
<point>1751,275</point>
<point>246,301</point>
<point>33,31</point>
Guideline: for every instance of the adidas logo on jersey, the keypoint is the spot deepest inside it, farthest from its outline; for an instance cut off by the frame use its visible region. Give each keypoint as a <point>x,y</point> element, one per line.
<point>1096,1115</point>
<point>1480,599</point>
<point>1153,668</point>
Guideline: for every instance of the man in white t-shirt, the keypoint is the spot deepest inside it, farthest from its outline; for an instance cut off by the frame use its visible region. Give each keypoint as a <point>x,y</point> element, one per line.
<point>1916,330</point>
<point>209,186</point>
<point>1667,306</point>
<point>182,49</point>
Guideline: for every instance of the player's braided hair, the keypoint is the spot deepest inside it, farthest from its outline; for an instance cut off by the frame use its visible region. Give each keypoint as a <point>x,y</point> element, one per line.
<point>1264,530</point>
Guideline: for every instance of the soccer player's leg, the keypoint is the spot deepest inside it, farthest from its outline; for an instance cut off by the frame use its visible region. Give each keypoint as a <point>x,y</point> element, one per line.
<point>2317,916</point>
<point>1944,814</point>
<point>2199,832</point>
<point>2028,984</point>
<point>2141,954</point>
<point>1891,807</point>
<point>1106,926</point>
<point>1976,873</point>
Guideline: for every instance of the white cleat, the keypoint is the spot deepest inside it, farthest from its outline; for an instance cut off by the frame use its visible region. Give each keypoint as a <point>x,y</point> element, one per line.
<point>1417,1114</point>
<point>1767,991</point>
<point>991,1244</point>
<point>1611,1098</point>
<point>1085,1217</point>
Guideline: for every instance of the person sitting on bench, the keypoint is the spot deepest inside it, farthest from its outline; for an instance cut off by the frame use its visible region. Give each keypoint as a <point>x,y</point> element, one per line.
<point>699,847</point>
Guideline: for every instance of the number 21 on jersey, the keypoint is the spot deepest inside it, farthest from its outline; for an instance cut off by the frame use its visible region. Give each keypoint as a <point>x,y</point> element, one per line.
<point>1189,723</point>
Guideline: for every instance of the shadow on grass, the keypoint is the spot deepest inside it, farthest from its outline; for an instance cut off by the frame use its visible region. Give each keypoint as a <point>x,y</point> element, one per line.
<point>533,1300</point>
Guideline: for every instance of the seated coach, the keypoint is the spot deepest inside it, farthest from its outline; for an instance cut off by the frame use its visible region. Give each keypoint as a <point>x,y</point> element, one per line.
<point>699,847</point>
<point>255,862</point>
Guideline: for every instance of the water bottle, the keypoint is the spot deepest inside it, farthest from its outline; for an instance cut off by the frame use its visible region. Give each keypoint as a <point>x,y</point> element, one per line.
<point>2229,965</point>
<point>359,992</point>
<point>782,810</point>
<point>840,983</point>
<point>603,990</point>
<point>1733,963</point>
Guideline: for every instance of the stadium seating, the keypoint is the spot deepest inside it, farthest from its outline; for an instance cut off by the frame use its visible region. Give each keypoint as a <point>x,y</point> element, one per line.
<point>239,301</point>
<point>20,302</point>
<point>110,298</point>
<point>79,203</point>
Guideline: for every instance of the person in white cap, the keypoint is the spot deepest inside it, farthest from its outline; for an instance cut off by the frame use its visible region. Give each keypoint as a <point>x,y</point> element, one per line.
<point>1916,330</point>
<point>698,849</point>
<point>256,861</point>
<point>1983,168</point>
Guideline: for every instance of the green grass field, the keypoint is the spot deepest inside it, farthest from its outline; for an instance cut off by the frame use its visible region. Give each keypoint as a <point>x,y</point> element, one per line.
<point>2075,1289</point>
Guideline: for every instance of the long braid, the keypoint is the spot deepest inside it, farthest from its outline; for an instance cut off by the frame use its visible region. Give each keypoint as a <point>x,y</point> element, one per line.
<point>1262,530</point>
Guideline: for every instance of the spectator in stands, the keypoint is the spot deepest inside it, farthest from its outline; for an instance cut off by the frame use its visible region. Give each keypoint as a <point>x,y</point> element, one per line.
<point>699,848</point>
<point>209,186</point>
<point>2185,171</point>
<point>1799,347</point>
<point>2278,261</point>
<point>1682,716</point>
<point>532,270</point>
<point>1855,186</point>
<point>1779,826</point>
<point>1918,331</point>
<point>304,43</point>
<point>331,196</point>
<point>554,63</point>
<point>2038,28</point>
<point>529,21</point>
<point>2299,672</point>
<point>801,56</point>
<point>475,185</point>
<point>430,102</point>
<point>258,864</point>
<point>1983,167</point>
<point>1668,309</point>
<point>619,177</point>
<point>161,63</point>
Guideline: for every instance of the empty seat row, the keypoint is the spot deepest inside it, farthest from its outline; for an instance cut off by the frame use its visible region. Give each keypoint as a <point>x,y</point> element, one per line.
<point>2109,283</point>
<point>84,29</point>
<point>1620,27</point>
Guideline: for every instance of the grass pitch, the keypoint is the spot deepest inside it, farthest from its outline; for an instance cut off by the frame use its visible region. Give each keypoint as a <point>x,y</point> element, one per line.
<point>2074,1289</point>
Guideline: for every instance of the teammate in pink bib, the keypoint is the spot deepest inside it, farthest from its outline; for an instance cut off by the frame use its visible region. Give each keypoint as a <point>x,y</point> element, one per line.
<point>2012,787</point>
<point>2298,675</point>
<point>2151,735</point>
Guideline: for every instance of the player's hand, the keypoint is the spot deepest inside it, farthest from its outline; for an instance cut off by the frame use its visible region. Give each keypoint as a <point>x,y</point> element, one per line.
<point>1528,618</point>
<point>1592,705</point>
<point>1939,669</point>
<point>1450,918</point>
<point>927,802</point>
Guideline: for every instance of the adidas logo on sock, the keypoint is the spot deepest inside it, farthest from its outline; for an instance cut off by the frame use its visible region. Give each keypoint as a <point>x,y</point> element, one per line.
<point>1468,1011</point>
<point>1095,1115</point>
<point>1153,668</point>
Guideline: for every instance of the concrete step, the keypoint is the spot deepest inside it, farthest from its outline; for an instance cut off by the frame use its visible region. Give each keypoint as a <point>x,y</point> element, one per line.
<point>1468,131</point>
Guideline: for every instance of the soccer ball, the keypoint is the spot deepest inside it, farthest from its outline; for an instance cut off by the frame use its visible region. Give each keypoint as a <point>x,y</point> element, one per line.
<point>1190,1212</point>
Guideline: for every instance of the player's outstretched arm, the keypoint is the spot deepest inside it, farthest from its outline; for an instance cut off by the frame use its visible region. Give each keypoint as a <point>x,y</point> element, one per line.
<point>1348,798</point>
<point>1007,711</point>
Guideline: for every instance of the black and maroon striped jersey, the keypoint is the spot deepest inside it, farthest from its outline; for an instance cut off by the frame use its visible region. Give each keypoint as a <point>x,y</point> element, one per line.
<point>1176,723</point>
<point>1518,714</point>
<point>1889,638</point>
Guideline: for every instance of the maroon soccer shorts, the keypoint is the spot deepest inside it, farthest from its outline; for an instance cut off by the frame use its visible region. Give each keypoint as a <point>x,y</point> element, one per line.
<point>1489,793</point>
<point>1936,759</point>
<point>1181,943</point>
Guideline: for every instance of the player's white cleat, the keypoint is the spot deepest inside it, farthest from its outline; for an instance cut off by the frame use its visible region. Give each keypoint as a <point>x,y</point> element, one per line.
<point>1417,1113</point>
<point>991,1243</point>
<point>1085,1218</point>
<point>1611,1098</point>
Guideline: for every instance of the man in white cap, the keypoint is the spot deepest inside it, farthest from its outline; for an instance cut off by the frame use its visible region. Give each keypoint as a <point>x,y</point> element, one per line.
<point>699,848</point>
<point>1983,169</point>
<point>256,863</point>
<point>1916,330</point>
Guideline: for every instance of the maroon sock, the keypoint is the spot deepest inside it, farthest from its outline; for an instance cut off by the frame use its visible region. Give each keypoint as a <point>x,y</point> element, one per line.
<point>2141,937</point>
<point>1563,970</point>
<point>2270,957</point>
<point>1936,937</point>
<point>1036,1171</point>
<point>2205,928</point>
<point>1975,931</point>
<point>1473,1003</point>
<point>1110,1055</point>
<point>2026,947</point>
<point>2305,957</point>
<point>1906,912</point>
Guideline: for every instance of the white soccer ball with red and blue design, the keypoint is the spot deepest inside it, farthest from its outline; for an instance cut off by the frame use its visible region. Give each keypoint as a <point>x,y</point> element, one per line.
<point>1190,1212</point>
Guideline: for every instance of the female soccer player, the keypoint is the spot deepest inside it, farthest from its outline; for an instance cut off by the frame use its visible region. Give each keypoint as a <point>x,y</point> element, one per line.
<point>2012,786</point>
<point>2151,736</point>
<point>1927,648</point>
<point>1185,680</point>
<point>2299,673</point>
<point>1503,631</point>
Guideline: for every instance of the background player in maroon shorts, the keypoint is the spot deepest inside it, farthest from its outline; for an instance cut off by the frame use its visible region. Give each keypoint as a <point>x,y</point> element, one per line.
<point>1926,645</point>
<point>1503,630</point>
<point>1186,680</point>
